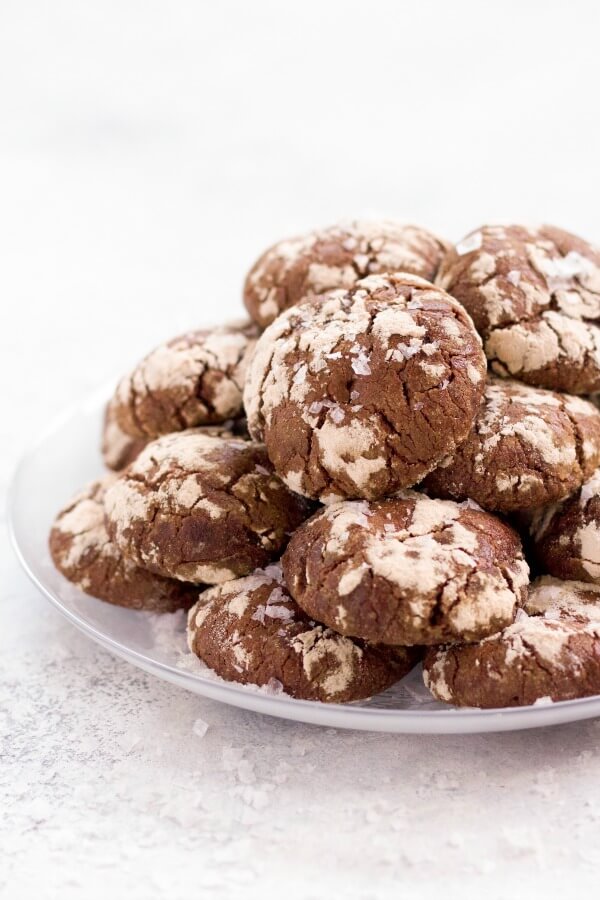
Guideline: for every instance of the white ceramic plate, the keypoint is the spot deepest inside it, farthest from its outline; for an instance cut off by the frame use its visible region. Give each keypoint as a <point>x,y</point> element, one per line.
<point>62,461</point>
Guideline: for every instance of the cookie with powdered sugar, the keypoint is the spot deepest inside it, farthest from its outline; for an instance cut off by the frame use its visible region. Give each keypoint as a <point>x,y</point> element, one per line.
<point>120,449</point>
<point>82,550</point>
<point>566,536</point>
<point>201,509</point>
<point>527,448</point>
<point>408,570</point>
<point>551,652</point>
<point>336,257</point>
<point>194,379</point>
<point>363,392</point>
<point>251,631</point>
<point>534,295</point>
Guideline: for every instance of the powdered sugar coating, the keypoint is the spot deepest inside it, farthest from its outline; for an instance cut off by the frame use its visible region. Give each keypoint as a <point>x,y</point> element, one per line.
<point>567,535</point>
<point>534,295</point>
<point>551,650</point>
<point>120,449</point>
<point>82,550</point>
<point>336,257</point>
<point>409,570</point>
<point>201,508</point>
<point>194,379</point>
<point>528,448</point>
<point>250,630</point>
<point>361,393</point>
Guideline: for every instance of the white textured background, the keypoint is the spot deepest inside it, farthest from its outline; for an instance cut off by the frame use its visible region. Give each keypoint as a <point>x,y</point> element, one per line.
<point>148,152</point>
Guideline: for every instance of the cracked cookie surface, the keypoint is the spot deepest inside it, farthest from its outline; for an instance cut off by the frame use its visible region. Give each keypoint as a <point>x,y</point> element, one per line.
<point>194,379</point>
<point>408,570</point>
<point>201,508</point>
<point>552,651</point>
<point>120,449</point>
<point>363,392</point>
<point>250,630</point>
<point>534,295</point>
<point>336,257</point>
<point>527,448</point>
<point>82,550</point>
<point>566,536</point>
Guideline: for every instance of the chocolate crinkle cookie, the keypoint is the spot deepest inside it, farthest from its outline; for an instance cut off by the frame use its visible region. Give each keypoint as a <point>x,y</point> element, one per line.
<point>118,449</point>
<point>551,652</point>
<point>251,631</point>
<point>195,379</point>
<point>566,536</point>
<point>82,550</point>
<point>336,257</point>
<point>534,295</point>
<point>201,509</point>
<point>408,570</point>
<point>363,392</point>
<point>528,447</point>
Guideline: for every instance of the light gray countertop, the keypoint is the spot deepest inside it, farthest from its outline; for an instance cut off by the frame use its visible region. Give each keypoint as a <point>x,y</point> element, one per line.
<point>148,152</point>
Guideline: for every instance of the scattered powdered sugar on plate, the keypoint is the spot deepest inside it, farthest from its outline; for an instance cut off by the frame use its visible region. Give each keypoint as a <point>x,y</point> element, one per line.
<point>200,727</point>
<point>543,701</point>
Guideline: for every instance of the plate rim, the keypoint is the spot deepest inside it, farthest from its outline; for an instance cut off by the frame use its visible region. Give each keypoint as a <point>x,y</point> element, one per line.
<point>374,719</point>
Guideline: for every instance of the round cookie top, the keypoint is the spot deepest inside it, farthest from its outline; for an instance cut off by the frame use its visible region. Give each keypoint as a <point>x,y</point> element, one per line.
<point>408,570</point>
<point>251,631</point>
<point>534,295</point>
<point>551,651</point>
<point>194,379</point>
<point>567,535</point>
<point>336,257</point>
<point>527,448</point>
<point>201,508</point>
<point>363,392</point>
<point>82,550</point>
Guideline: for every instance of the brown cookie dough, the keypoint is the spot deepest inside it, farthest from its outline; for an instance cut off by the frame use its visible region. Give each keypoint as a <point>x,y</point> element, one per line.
<point>528,447</point>
<point>566,536</point>
<point>82,550</point>
<point>250,630</point>
<point>552,651</point>
<point>118,449</point>
<point>201,509</point>
<point>195,379</point>
<point>336,257</point>
<point>409,570</point>
<point>363,392</point>
<point>534,295</point>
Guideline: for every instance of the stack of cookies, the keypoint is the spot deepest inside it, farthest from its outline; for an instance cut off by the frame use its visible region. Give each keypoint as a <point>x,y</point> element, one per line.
<point>371,472</point>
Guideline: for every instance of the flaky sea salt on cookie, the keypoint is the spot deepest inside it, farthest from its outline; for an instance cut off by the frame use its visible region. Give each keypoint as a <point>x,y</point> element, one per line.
<point>534,295</point>
<point>363,392</point>
<point>409,570</point>
<point>566,536</point>
<point>82,550</point>
<point>201,509</point>
<point>195,379</point>
<point>551,651</point>
<point>527,448</point>
<point>251,631</point>
<point>336,257</point>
